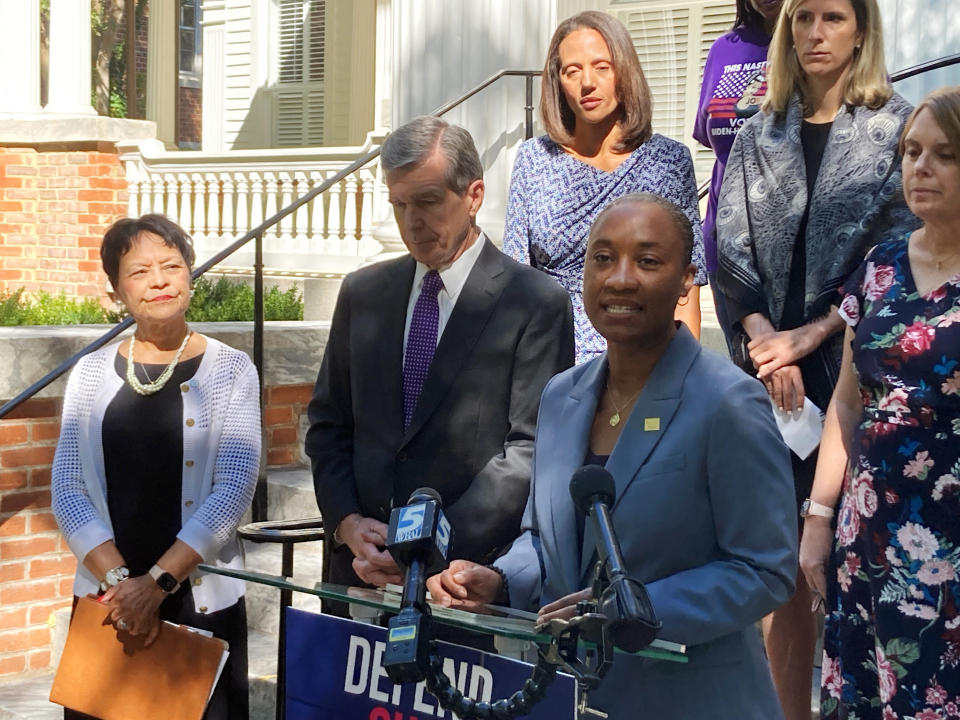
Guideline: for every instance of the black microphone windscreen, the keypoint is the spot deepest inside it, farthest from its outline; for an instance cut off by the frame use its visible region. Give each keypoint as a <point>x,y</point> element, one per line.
<point>590,483</point>
<point>424,494</point>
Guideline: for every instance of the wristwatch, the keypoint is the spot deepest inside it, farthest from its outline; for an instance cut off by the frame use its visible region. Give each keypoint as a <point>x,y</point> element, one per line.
<point>167,582</point>
<point>113,577</point>
<point>812,507</point>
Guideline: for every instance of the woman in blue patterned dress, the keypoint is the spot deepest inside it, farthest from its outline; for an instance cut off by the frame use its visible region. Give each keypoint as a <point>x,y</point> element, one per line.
<point>599,146</point>
<point>892,642</point>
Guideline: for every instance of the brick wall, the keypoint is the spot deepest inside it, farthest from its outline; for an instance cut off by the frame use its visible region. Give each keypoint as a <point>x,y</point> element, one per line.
<point>36,567</point>
<point>54,209</point>
<point>190,115</point>
<point>285,405</point>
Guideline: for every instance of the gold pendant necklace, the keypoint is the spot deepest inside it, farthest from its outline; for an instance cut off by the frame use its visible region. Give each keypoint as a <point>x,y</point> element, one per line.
<point>615,418</point>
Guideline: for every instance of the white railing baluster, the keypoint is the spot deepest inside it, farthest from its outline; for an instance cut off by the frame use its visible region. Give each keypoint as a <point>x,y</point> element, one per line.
<point>170,186</point>
<point>286,224</point>
<point>334,222</point>
<point>226,214</point>
<point>349,244</point>
<point>186,209</point>
<point>270,182</point>
<point>157,205</point>
<point>213,206</point>
<point>318,216</point>
<point>302,219</point>
<point>133,198</point>
<point>199,209</point>
<point>256,200</point>
<point>243,205</point>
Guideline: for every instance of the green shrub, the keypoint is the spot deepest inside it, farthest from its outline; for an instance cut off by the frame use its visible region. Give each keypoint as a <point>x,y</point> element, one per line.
<point>11,311</point>
<point>213,301</point>
<point>49,309</point>
<point>223,301</point>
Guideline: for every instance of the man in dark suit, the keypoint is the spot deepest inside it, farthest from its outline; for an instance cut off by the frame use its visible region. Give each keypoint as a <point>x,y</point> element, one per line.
<point>433,369</point>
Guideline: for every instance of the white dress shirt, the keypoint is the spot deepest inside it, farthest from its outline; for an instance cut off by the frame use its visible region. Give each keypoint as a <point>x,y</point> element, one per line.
<point>454,277</point>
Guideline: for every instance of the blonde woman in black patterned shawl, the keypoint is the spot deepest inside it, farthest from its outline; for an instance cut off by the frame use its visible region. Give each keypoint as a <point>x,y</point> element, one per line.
<point>813,181</point>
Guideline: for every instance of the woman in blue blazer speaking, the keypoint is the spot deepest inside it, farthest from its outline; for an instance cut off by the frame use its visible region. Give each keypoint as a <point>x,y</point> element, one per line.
<point>703,485</point>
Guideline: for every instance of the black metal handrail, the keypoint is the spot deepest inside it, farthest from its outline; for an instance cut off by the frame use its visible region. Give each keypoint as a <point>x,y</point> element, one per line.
<point>910,72</point>
<point>256,234</point>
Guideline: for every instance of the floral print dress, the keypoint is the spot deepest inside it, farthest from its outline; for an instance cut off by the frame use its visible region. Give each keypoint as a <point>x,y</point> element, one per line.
<point>892,641</point>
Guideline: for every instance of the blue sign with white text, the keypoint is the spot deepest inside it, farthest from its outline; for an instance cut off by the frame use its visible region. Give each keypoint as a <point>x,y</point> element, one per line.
<point>335,671</point>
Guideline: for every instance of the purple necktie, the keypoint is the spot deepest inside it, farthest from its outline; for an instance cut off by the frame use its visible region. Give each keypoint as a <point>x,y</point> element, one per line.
<point>421,343</point>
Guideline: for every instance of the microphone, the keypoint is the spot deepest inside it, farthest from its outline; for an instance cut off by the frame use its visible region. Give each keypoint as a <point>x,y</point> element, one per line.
<point>633,623</point>
<point>418,538</point>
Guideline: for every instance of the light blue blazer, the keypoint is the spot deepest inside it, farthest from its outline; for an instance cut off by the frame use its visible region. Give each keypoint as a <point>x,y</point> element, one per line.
<point>706,517</point>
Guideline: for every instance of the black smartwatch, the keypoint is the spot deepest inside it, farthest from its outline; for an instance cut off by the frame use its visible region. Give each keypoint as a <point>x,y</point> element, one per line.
<point>167,582</point>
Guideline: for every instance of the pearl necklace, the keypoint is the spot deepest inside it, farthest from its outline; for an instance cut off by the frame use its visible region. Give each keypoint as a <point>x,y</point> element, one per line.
<point>149,388</point>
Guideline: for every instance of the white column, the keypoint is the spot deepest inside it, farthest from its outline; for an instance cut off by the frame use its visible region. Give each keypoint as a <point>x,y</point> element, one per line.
<point>20,47</point>
<point>162,69</point>
<point>383,75</point>
<point>214,83</point>
<point>70,62</point>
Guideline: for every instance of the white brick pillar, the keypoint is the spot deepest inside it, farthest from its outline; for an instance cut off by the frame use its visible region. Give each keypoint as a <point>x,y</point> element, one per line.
<point>20,51</point>
<point>70,62</point>
<point>162,69</point>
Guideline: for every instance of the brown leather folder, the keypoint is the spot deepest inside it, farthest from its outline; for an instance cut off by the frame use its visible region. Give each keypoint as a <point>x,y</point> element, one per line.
<point>110,675</point>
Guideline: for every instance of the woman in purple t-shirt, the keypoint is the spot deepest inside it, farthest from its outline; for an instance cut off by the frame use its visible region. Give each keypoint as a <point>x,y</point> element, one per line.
<point>734,85</point>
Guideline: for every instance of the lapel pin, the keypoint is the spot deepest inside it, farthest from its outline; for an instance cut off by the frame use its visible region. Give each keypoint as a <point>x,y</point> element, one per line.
<point>651,424</point>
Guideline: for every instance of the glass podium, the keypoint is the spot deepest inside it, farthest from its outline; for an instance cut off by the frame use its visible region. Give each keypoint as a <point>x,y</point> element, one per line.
<point>500,621</point>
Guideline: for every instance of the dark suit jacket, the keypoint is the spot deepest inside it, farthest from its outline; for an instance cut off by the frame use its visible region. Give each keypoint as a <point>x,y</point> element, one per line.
<point>471,436</point>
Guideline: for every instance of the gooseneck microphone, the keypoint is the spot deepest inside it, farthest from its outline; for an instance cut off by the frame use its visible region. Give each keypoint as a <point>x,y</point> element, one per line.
<point>633,623</point>
<point>418,538</point>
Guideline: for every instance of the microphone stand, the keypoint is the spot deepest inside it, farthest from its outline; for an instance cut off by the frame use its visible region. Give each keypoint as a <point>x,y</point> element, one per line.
<point>618,613</point>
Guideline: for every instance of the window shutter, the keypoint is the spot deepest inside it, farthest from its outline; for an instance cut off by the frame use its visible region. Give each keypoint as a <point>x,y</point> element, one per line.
<point>298,98</point>
<point>672,42</point>
<point>290,43</point>
<point>660,37</point>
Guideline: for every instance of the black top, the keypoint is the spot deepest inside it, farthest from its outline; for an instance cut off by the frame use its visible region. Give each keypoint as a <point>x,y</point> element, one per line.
<point>813,139</point>
<point>143,459</point>
<point>590,459</point>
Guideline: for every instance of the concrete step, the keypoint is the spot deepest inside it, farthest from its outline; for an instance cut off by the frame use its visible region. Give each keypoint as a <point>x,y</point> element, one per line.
<point>24,697</point>
<point>263,602</point>
<point>262,674</point>
<point>290,494</point>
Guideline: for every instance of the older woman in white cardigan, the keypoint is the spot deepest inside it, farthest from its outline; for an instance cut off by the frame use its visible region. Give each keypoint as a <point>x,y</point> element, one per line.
<point>158,458</point>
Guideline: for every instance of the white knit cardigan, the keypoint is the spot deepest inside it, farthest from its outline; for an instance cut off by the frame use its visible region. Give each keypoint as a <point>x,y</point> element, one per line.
<point>221,453</point>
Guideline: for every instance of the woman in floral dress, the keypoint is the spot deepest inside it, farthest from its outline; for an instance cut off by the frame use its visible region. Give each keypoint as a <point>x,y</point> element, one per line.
<point>892,642</point>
